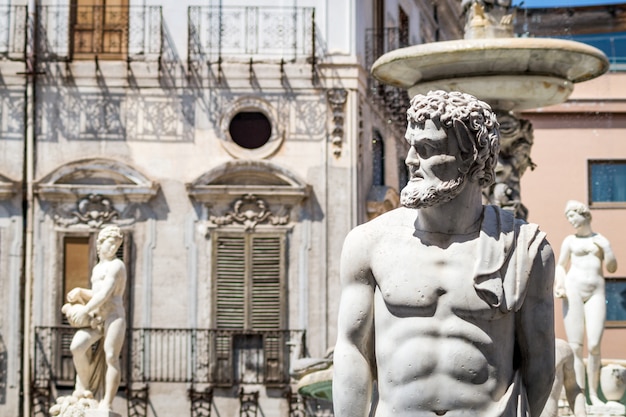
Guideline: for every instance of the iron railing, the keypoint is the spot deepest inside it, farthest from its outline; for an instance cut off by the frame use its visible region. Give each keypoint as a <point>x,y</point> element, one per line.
<point>13,31</point>
<point>220,33</point>
<point>392,100</point>
<point>203,356</point>
<point>106,32</point>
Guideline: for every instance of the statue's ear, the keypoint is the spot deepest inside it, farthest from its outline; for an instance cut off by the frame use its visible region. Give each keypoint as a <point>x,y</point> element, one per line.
<point>466,145</point>
<point>463,137</point>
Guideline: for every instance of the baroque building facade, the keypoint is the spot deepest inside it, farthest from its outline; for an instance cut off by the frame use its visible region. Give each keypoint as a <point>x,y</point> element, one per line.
<point>235,143</point>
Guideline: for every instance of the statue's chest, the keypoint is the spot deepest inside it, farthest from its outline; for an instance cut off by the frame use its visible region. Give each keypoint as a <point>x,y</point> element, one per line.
<point>584,246</point>
<point>98,274</point>
<point>426,279</point>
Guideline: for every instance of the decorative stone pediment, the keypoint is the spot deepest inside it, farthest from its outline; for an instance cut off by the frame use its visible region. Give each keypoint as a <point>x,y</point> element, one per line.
<point>8,188</point>
<point>111,179</point>
<point>241,178</point>
<point>247,194</point>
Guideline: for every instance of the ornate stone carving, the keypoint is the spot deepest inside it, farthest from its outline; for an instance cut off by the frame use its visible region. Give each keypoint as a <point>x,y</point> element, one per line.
<point>516,140</point>
<point>488,19</point>
<point>337,99</point>
<point>249,211</point>
<point>93,211</point>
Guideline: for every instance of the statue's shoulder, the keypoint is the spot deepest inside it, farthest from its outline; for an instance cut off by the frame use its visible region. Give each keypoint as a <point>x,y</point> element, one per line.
<point>507,221</point>
<point>399,217</point>
<point>116,265</point>
<point>385,224</point>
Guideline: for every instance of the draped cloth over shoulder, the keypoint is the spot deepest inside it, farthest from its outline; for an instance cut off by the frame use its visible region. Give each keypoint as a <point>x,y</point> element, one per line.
<point>506,254</point>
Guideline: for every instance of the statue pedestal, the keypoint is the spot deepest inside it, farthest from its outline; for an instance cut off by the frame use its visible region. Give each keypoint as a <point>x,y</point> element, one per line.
<point>611,408</point>
<point>101,413</point>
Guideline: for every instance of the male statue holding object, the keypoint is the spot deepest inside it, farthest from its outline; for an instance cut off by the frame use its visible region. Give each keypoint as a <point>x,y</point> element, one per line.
<point>99,316</point>
<point>446,304</point>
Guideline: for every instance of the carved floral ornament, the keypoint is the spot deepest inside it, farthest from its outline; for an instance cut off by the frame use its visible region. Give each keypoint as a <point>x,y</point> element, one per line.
<point>94,211</point>
<point>249,211</point>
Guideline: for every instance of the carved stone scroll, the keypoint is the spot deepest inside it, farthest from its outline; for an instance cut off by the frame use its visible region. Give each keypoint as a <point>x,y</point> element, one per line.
<point>337,99</point>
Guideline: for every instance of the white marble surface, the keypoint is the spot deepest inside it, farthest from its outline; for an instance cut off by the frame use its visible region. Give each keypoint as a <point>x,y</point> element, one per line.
<point>435,292</point>
<point>537,72</point>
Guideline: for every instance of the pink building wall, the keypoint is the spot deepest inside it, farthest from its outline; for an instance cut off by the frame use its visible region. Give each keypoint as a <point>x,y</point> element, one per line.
<point>591,125</point>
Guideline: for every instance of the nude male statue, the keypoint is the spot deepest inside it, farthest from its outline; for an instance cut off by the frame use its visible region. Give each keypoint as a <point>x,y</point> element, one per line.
<point>99,314</point>
<point>565,377</point>
<point>582,290</point>
<point>446,304</point>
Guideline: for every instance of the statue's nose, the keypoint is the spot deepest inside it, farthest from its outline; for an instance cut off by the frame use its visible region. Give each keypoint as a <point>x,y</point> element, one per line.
<point>412,158</point>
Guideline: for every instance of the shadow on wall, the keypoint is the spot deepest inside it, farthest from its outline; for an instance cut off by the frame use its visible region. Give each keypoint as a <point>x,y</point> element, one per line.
<point>3,371</point>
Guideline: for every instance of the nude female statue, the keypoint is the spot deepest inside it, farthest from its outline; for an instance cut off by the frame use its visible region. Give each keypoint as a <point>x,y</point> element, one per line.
<point>582,290</point>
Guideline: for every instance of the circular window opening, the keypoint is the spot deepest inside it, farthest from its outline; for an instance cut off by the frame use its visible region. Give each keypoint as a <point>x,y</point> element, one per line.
<point>250,130</point>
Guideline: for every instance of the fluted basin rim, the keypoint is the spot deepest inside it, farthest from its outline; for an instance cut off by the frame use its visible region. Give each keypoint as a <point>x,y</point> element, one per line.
<point>572,61</point>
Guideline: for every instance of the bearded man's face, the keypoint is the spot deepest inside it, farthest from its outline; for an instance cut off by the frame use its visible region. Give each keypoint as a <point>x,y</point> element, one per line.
<point>434,166</point>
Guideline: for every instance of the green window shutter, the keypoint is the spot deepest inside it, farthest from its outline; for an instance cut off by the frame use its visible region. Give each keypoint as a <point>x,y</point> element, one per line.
<point>230,281</point>
<point>266,271</point>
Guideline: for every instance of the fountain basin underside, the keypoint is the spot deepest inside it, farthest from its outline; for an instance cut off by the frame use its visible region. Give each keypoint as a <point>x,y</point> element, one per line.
<point>318,385</point>
<point>508,73</point>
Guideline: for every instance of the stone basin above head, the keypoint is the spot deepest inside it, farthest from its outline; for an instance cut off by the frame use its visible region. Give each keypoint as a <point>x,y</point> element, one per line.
<point>508,73</point>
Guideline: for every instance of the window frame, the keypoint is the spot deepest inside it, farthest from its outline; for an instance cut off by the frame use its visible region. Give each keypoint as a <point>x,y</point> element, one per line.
<point>602,204</point>
<point>614,323</point>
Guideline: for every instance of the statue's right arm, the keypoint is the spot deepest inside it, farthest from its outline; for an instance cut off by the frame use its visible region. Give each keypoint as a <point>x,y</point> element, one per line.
<point>560,270</point>
<point>79,295</point>
<point>354,363</point>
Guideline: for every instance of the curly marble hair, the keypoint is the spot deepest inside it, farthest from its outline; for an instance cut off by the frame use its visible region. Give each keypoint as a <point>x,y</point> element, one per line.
<point>113,232</point>
<point>578,207</point>
<point>455,110</point>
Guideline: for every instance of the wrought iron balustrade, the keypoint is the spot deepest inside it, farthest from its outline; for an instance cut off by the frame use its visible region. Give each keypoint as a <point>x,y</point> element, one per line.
<point>221,33</point>
<point>108,32</point>
<point>203,356</point>
<point>393,100</point>
<point>13,31</point>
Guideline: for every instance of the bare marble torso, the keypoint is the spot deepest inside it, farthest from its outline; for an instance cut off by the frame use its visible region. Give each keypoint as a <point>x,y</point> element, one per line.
<point>585,277</point>
<point>427,312</point>
<point>114,306</point>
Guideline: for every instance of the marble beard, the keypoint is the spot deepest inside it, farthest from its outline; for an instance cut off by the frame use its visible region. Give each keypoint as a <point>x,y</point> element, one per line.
<point>413,196</point>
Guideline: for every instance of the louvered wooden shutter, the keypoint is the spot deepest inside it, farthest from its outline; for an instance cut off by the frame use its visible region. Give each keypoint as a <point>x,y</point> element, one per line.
<point>248,271</point>
<point>230,278</point>
<point>266,270</point>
